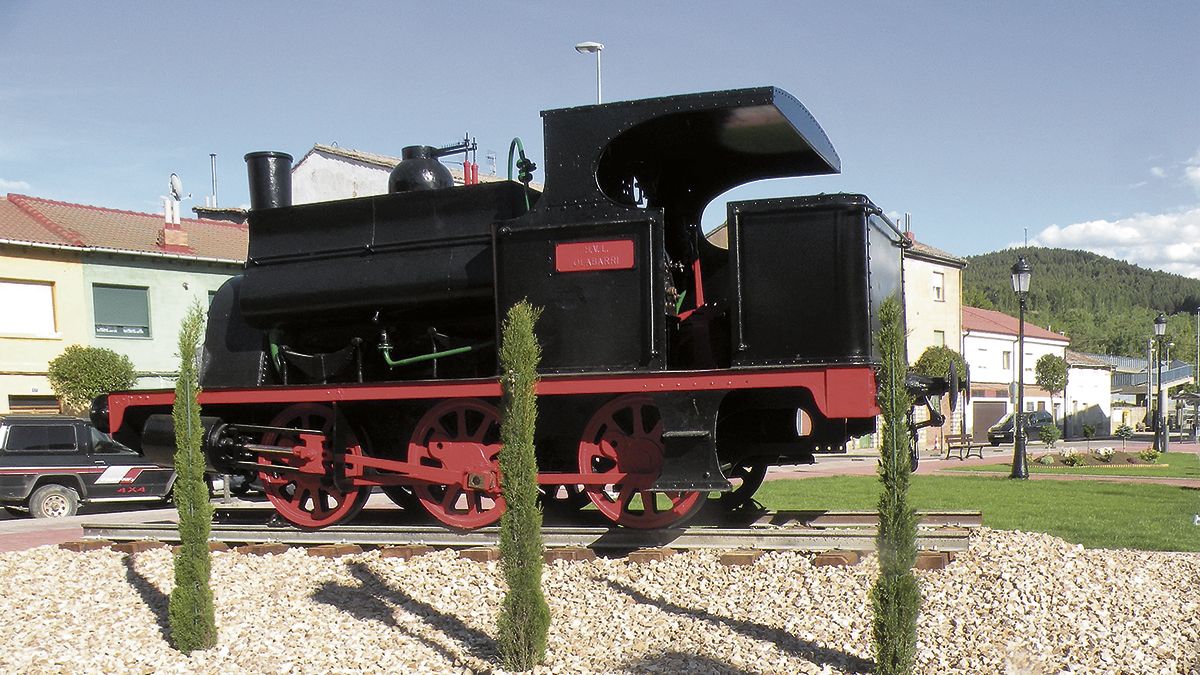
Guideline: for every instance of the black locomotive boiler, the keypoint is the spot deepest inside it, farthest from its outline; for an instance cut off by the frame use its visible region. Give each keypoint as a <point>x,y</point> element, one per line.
<point>358,348</point>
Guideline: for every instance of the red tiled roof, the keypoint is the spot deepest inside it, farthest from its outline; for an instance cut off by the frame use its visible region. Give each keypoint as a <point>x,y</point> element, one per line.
<point>16,223</point>
<point>45,221</point>
<point>989,321</point>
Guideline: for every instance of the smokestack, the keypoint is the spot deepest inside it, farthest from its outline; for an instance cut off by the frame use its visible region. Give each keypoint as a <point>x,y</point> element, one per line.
<point>270,179</point>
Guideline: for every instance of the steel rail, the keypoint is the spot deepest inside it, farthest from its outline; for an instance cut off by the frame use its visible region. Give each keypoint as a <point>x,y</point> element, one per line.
<point>771,532</point>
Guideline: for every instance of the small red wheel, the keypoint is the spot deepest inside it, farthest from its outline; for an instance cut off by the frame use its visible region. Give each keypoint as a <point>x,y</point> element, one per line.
<point>308,498</point>
<point>462,436</point>
<point>625,436</point>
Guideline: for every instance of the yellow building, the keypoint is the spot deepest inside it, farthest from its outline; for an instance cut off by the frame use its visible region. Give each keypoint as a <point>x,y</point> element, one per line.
<point>75,274</point>
<point>41,309</point>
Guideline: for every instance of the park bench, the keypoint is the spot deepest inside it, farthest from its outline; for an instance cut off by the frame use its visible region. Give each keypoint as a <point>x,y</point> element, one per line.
<point>963,446</point>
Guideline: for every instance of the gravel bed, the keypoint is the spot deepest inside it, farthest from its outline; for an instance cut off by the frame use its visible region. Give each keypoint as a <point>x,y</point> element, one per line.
<point>1016,603</point>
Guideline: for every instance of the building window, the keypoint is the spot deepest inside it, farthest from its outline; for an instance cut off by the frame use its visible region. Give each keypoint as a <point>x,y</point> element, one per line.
<point>33,404</point>
<point>939,287</point>
<point>1006,358</point>
<point>121,311</point>
<point>27,309</point>
<point>939,338</point>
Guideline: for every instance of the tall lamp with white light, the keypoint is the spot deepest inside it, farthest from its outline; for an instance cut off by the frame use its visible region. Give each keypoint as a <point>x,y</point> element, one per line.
<point>592,48</point>
<point>1021,272</point>
<point>1160,418</point>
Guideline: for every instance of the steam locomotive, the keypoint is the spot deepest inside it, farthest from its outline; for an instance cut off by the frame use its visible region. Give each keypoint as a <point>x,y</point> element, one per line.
<point>359,347</point>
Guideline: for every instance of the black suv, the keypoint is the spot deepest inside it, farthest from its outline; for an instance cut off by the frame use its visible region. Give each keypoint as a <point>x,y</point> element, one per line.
<point>1002,432</point>
<point>49,465</point>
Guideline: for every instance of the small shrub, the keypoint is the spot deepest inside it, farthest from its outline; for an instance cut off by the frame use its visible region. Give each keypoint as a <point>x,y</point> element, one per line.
<point>1124,432</point>
<point>1049,435</point>
<point>1089,430</point>
<point>1046,460</point>
<point>524,621</point>
<point>80,374</point>
<point>895,595</point>
<point>1105,454</point>
<point>190,611</point>
<point>1148,455</point>
<point>1072,457</point>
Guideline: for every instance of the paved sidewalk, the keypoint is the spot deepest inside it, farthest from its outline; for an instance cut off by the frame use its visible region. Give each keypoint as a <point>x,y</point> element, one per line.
<point>865,463</point>
<point>18,534</point>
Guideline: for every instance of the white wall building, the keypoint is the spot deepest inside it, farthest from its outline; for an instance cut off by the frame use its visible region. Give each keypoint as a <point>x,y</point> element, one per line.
<point>932,299</point>
<point>990,349</point>
<point>933,317</point>
<point>1088,395</point>
<point>327,172</point>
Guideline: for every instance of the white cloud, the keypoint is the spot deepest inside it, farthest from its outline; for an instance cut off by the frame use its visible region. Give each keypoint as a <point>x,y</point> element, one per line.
<point>9,185</point>
<point>1158,171</point>
<point>1192,171</point>
<point>1168,241</point>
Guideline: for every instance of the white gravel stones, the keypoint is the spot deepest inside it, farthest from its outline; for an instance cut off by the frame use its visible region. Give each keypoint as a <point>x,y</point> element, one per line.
<point>1016,603</point>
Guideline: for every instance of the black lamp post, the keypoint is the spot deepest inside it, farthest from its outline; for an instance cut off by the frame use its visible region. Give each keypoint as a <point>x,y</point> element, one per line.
<point>1160,419</point>
<point>1020,282</point>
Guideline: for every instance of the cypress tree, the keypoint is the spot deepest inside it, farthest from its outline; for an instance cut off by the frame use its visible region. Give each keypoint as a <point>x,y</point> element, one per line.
<point>190,612</point>
<point>524,620</point>
<point>895,597</point>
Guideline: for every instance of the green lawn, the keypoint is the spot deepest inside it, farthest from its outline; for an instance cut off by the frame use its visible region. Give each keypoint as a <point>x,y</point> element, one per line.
<point>1093,513</point>
<point>1171,465</point>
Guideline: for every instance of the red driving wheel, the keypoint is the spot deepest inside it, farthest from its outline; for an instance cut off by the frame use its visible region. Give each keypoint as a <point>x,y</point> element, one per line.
<point>625,436</point>
<point>462,436</point>
<point>305,494</point>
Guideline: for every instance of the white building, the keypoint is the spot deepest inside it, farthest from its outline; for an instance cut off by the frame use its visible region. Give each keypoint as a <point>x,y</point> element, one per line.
<point>1088,395</point>
<point>327,172</point>
<point>932,298</point>
<point>933,318</point>
<point>990,349</point>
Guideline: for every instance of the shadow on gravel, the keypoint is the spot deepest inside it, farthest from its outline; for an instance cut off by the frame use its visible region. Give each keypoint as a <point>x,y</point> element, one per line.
<point>821,656</point>
<point>679,662</point>
<point>375,600</point>
<point>156,601</point>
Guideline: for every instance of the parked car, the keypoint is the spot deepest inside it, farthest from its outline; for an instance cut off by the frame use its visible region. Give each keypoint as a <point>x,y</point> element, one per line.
<point>1002,431</point>
<point>49,465</point>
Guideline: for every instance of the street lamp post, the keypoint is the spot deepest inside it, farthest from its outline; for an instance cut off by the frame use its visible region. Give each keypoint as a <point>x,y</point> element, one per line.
<point>592,48</point>
<point>1020,282</point>
<point>1160,436</point>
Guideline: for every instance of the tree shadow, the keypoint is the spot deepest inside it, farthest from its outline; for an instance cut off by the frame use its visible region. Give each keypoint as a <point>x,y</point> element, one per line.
<point>155,600</point>
<point>680,662</point>
<point>375,600</point>
<point>780,638</point>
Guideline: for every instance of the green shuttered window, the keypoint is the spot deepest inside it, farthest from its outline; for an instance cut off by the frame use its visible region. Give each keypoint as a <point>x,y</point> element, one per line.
<point>121,311</point>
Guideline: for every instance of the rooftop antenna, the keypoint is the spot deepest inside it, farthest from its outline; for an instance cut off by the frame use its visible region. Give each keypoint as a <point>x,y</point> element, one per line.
<point>212,156</point>
<point>171,203</point>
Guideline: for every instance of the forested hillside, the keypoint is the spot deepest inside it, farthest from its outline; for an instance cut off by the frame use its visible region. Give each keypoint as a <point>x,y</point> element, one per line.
<point>1105,306</point>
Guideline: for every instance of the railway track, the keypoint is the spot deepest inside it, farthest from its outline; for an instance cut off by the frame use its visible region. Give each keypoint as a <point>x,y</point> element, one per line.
<point>771,531</point>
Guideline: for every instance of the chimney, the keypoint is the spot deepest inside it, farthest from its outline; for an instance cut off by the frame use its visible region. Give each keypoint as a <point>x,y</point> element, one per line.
<point>172,238</point>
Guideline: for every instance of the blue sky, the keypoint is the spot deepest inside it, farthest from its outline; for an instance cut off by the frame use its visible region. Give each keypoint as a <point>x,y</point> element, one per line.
<point>1079,121</point>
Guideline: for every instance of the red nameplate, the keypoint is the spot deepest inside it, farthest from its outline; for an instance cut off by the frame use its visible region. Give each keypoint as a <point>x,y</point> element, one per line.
<point>591,256</point>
